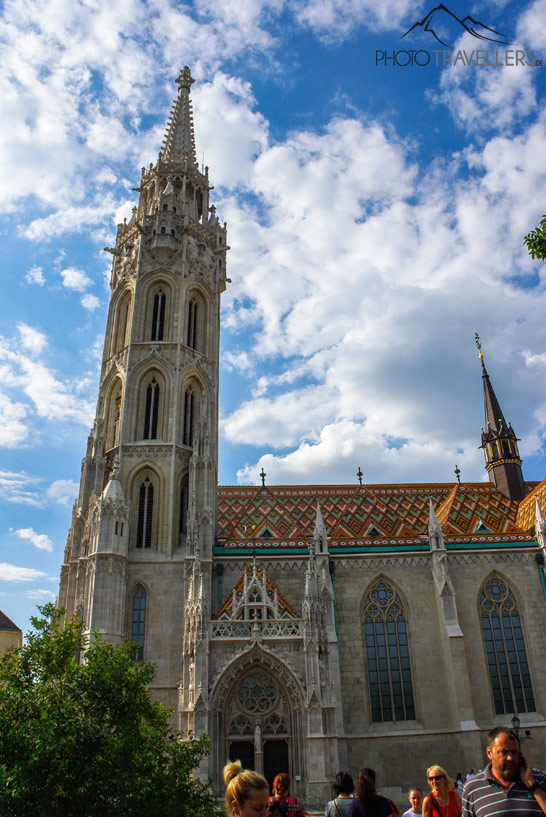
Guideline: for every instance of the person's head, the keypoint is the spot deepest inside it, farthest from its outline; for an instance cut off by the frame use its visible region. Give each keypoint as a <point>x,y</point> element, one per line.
<point>504,753</point>
<point>343,784</point>
<point>415,796</point>
<point>281,787</point>
<point>439,780</point>
<point>459,776</point>
<point>365,785</point>
<point>395,811</point>
<point>247,793</point>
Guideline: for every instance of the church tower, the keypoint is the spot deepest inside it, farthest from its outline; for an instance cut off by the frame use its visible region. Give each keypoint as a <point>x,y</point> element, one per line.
<point>142,527</point>
<point>500,444</point>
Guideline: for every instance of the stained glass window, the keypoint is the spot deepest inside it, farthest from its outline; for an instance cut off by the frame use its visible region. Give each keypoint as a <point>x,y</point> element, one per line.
<point>257,693</point>
<point>505,649</point>
<point>387,652</point>
<point>139,620</point>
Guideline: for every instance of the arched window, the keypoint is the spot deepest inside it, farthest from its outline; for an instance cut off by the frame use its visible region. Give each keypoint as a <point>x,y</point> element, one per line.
<point>505,649</point>
<point>145,514</point>
<point>117,417</point>
<point>139,622</point>
<point>120,337</point>
<point>389,671</point>
<point>193,317</point>
<point>158,316</point>
<point>183,513</point>
<point>151,410</point>
<point>189,416</point>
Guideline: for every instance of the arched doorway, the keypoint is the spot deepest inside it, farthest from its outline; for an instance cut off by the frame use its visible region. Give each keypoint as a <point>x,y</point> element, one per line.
<point>258,724</point>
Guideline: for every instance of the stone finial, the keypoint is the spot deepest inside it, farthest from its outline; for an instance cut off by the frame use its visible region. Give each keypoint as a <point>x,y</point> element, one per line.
<point>185,79</point>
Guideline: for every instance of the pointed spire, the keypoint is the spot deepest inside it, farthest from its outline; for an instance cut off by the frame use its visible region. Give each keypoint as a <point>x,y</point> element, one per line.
<point>494,418</point>
<point>499,443</point>
<point>179,142</point>
<point>435,532</point>
<point>320,528</point>
<point>540,525</point>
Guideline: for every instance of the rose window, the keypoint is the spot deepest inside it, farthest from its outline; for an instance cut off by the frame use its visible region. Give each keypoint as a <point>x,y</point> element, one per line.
<point>257,693</point>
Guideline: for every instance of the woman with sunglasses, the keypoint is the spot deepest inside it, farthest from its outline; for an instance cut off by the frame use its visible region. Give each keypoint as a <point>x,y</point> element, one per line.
<point>443,800</point>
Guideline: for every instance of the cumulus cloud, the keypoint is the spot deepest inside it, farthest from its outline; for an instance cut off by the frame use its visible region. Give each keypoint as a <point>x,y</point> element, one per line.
<point>32,339</point>
<point>39,540</point>
<point>12,428</point>
<point>63,491</point>
<point>15,574</point>
<point>75,278</point>
<point>90,302</point>
<point>40,595</point>
<point>35,275</point>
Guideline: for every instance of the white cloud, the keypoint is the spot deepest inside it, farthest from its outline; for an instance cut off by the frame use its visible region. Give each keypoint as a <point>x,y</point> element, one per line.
<point>90,302</point>
<point>35,275</point>
<point>19,488</point>
<point>39,540</point>
<point>74,278</point>
<point>63,491</point>
<point>32,339</point>
<point>12,573</point>
<point>12,428</point>
<point>40,595</point>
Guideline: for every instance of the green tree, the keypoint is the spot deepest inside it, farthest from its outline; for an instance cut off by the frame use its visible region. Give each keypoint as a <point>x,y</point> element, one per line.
<point>536,240</point>
<point>86,738</point>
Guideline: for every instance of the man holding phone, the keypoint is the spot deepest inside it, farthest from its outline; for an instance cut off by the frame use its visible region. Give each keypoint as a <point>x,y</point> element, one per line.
<point>508,784</point>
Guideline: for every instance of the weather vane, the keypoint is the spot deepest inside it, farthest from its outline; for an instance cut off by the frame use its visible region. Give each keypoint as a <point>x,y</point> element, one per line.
<point>458,474</point>
<point>359,474</point>
<point>478,345</point>
<point>263,476</point>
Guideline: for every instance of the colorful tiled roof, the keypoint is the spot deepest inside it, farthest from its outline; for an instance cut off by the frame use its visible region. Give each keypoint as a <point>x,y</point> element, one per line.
<point>284,516</point>
<point>526,509</point>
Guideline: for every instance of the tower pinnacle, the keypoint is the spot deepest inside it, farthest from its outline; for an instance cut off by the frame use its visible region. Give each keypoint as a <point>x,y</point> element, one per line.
<point>499,442</point>
<point>179,141</point>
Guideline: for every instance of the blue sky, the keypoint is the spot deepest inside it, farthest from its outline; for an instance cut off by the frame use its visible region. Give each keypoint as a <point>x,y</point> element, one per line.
<point>375,214</point>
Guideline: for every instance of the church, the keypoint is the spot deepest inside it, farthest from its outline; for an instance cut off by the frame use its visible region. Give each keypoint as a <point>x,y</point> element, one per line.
<point>306,628</point>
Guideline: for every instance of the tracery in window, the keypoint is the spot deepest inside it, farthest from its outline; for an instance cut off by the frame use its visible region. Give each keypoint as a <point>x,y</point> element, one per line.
<point>138,622</point>
<point>387,651</point>
<point>257,693</point>
<point>145,514</point>
<point>505,649</point>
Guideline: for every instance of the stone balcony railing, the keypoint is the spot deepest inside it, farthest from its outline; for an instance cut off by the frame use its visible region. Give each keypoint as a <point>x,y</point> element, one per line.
<point>261,628</point>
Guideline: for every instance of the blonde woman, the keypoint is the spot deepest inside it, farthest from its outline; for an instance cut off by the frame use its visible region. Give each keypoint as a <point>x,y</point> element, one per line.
<point>443,800</point>
<point>247,793</point>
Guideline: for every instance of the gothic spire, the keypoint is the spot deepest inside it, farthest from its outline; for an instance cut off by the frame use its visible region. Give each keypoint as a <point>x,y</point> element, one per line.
<point>179,141</point>
<point>499,442</point>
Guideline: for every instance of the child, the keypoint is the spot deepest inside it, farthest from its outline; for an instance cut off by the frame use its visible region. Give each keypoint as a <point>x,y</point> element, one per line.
<point>415,796</point>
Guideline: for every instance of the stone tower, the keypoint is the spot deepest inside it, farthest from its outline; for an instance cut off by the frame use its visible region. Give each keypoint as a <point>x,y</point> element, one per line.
<point>144,519</point>
<point>500,444</point>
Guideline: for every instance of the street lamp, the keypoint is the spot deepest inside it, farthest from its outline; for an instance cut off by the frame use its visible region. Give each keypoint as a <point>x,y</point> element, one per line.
<point>515,724</point>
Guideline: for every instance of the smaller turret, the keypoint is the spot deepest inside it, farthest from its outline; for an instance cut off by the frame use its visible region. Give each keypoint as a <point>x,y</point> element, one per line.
<point>500,444</point>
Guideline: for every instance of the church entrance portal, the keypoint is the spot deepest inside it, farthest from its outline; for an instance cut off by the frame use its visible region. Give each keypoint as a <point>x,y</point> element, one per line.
<point>275,759</point>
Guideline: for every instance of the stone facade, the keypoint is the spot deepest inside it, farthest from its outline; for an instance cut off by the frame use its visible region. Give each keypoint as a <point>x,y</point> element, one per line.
<point>307,629</point>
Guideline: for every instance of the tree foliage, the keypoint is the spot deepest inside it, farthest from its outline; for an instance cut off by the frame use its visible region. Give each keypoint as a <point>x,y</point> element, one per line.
<point>86,738</point>
<point>536,240</point>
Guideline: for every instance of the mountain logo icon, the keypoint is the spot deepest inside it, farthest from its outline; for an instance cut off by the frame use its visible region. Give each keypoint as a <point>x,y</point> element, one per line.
<point>442,23</point>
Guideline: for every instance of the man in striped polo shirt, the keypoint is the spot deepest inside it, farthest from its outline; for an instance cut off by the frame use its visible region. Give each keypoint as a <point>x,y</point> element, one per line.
<point>508,786</point>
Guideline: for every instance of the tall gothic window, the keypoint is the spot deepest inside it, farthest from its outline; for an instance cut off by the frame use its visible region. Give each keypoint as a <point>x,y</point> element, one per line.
<point>117,417</point>
<point>158,316</point>
<point>151,410</point>
<point>193,316</point>
<point>138,623</point>
<point>505,649</point>
<point>184,495</point>
<point>389,671</point>
<point>145,514</point>
<point>121,326</point>
<point>189,416</point>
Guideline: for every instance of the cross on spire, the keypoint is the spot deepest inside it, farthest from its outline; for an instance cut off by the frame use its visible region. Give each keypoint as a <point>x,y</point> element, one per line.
<point>359,475</point>
<point>457,473</point>
<point>263,476</point>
